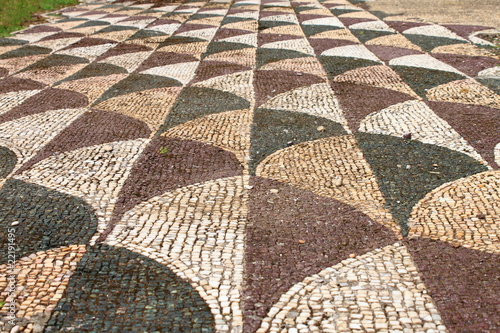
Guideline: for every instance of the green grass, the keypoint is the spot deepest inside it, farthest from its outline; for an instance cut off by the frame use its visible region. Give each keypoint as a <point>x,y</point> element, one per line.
<point>16,14</point>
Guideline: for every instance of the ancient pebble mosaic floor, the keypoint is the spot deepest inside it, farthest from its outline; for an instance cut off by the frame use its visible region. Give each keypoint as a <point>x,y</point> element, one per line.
<point>248,166</point>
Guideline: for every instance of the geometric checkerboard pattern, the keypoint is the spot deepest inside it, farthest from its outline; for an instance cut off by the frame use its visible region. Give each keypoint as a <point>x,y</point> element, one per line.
<point>249,166</point>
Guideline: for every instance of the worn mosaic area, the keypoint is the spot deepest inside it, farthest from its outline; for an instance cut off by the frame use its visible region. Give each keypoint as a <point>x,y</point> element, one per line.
<point>249,166</point>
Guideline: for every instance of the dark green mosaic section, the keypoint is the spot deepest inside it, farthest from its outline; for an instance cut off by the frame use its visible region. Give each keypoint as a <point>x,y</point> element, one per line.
<point>423,79</point>
<point>337,65</point>
<point>137,82</point>
<point>310,30</point>
<point>115,290</point>
<point>25,51</point>
<point>492,83</point>
<point>229,20</point>
<point>365,35</point>
<point>8,160</point>
<point>54,60</point>
<point>11,42</point>
<point>47,218</point>
<point>202,16</point>
<point>267,56</point>
<point>147,34</point>
<point>273,130</point>
<point>263,25</point>
<point>91,24</point>
<point>304,8</point>
<point>217,47</point>
<point>407,170</point>
<point>114,28</point>
<point>427,43</point>
<point>174,40</point>
<point>95,70</point>
<point>195,102</point>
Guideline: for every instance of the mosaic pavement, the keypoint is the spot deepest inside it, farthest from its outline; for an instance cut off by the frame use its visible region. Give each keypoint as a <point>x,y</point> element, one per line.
<point>248,166</point>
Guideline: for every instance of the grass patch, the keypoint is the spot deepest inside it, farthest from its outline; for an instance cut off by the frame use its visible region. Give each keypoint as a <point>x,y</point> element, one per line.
<point>17,14</point>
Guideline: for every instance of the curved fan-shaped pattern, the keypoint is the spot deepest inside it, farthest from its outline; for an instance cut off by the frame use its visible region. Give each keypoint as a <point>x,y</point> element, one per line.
<point>317,100</point>
<point>25,51</point>
<point>11,99</point>
<point>477,124</point>
<point>325,167</point>
<point>29,134</point>
<point>53,68</point>
<point>150,106</point>
<point>243,57</point>
<point>88,52</point>
<point>374,99</point>
<point>282,29</point>
<point>94,127</point>
<point>248,38</point>
<point>430,43</point>
<point>422,79</point>
<point>167,303</point>
<point>467,276</point>
<point>269,38</point>
<point>462,213</point>
<point>169,163</point>
<point>69,220</point>
<point>321,45</point>
<point>296,44</point>
<point>46,100</point>
<point>378,76</point>
<point>417,119</point>
<point>52,270</point>
<point>138,83</point>
<point>92,87</point>
<point>308,65</point>
<point>372,26</point>
<point>468,64</point>
<point>351,51</point>
<point>463,49</point>
<point>423,61</point>
<point>182,72</point>
<point>292,234</point>
<point>95,173</point>
<point>211,251</point>
<point>210,69</point>
<point>267,56</point>
<point>337,65</point>
<point>97,69</point>
<point>265,87</point>
<point>370,292</point>
<point>14,65</point>
<point>14,84</point>
<point>391,51</point>
<point>129,62</point>
<point>344,34</point>
<point>466,92</point>
<point>228,130</point>
<point>431,36</point>
<point>204,166</point>
<point>235,83</point>
<point>195,49</point>
<point>273,130</point>
<point>406,170</point>
<point>196,102</point>
<point>433,30</point>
